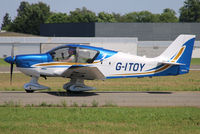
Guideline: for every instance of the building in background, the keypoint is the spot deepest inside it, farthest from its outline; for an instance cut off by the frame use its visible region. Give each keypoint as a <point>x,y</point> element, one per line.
<point>153,38</point>
<point>143,39</point>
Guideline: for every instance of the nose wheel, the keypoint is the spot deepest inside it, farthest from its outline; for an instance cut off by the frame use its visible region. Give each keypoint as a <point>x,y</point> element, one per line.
<point>33,85</point>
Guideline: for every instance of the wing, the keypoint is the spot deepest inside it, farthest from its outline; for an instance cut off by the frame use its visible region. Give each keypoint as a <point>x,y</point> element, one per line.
<point>83,72</point>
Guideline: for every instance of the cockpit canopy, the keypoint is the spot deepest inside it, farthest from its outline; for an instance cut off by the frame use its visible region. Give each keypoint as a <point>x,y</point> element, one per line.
<point>73,54</point>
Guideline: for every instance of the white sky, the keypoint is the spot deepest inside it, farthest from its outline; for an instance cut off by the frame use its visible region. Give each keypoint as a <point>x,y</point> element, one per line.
<point>117,6</point>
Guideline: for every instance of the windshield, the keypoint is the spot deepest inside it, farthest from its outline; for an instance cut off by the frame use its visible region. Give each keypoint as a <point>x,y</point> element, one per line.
<point>74,54</point>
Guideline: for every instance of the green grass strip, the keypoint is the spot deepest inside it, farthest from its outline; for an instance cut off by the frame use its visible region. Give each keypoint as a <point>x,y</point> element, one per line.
<point>3,63</point>
<point>172,120</point>
<point>195,61</point>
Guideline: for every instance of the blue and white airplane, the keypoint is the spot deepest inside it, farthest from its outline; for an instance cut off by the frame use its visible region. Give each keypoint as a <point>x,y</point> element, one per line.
<point>80,62</point>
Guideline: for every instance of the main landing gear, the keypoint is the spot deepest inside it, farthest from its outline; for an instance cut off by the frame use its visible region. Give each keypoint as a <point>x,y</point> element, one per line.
<point>77,85</point>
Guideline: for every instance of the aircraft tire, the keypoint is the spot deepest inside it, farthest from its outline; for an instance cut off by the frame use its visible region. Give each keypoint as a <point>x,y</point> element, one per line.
<point>70,92</point>
<point>29,91</point>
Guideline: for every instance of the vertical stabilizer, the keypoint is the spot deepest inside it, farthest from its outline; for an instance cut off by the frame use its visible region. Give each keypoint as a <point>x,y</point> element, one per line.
<point>180,52</point>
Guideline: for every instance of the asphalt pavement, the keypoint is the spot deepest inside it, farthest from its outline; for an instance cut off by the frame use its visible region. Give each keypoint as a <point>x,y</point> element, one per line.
<point>130,99</point>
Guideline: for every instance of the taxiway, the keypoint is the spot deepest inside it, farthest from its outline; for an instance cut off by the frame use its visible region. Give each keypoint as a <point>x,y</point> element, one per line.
<point>147,99</point>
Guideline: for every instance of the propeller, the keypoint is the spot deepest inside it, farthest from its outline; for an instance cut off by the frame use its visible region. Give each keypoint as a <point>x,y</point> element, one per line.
<point>11,64</point>
<point>11,72</point>
<point>11,59</point>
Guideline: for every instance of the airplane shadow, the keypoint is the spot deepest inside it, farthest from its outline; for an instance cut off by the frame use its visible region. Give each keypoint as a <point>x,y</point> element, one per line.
<point>134,92</point>
<point>75,94</point>
<point>86,94</point>
<point>159,92</point>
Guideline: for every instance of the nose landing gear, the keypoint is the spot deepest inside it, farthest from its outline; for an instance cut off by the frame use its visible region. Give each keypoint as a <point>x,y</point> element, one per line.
<point>33,85</point>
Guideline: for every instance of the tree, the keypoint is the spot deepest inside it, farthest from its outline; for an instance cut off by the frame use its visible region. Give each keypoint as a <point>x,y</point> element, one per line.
<point>146,16</point>
<point>168,15</point>
<point>105,17</point>
<point>118,17</point>
<point>130,17</point>
<point>190,12</point>
<point>82,15</point>
<point>57,18</point>
<point>6,22</point>
<point>143,16</point>
<point>30,17</point>
<point>22,7</point>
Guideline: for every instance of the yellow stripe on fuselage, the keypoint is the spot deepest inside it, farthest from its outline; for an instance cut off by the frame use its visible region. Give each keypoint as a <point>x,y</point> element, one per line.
<point>60,64</point>
<point>144,73</point>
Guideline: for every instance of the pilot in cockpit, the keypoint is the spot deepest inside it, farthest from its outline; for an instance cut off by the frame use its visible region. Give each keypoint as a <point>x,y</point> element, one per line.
<point>71,55</point>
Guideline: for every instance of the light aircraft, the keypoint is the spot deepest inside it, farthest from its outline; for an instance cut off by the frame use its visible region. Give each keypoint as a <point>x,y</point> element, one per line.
<point>90,63</point>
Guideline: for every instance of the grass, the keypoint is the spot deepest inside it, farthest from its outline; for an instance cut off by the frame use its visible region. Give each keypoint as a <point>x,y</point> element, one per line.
<point>181,120</point>
<point>3,63</point>
<point>195,61</point>
<point>188,82</point>
<point>62,104</point>
<point>95,103</point>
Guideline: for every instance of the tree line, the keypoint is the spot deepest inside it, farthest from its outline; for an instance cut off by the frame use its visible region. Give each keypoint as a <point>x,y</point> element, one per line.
<point>30,16</point>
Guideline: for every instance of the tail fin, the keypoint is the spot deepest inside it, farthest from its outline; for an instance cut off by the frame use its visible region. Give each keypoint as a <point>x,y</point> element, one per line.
<point>180,52</point>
